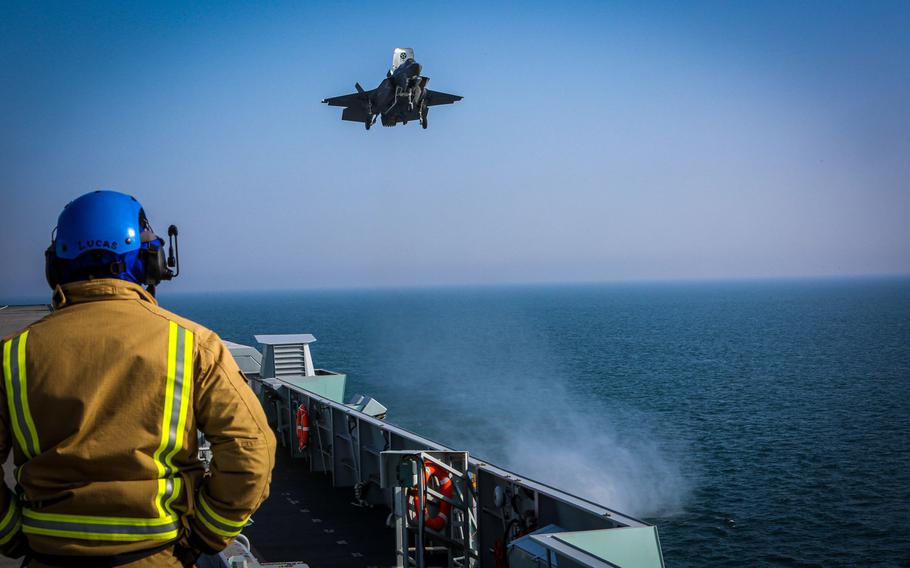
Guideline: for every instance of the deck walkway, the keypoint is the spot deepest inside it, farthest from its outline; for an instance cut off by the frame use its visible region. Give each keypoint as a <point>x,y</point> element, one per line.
<point>307,520</point>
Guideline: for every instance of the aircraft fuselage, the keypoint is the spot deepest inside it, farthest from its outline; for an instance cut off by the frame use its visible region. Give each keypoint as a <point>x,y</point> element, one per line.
<point>399,93</point>
<point>401,97</point>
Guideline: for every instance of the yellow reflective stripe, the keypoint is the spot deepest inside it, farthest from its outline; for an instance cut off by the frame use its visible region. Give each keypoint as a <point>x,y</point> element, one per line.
<point>168,395</point>
<point>87,527</point>
<point>218,517</point>
<point>14,377</point>
<point>8,381</point>
<point>184,395</point>
<point>33,433</point>
<point>10,511</point>
<point>116,537</point>
<point>166,417</point>
<point>16,528</point>
<point>215,522</point>
<point>174,494</point>
<point>98,520</point>
<point>177,394</point>
<point>162,486</point>
<point>216,530</point>
<point>10,523</point>
<point>208,524</point>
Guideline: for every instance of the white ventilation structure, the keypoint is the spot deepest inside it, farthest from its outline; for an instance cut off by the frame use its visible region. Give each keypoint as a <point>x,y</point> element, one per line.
<point>287,356</point>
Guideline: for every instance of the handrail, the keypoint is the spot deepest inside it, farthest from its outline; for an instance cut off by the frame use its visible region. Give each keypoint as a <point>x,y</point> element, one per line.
<point>572,500</point>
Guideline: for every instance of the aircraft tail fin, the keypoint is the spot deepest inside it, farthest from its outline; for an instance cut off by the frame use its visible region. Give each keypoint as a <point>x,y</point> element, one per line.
<point>358,87</point>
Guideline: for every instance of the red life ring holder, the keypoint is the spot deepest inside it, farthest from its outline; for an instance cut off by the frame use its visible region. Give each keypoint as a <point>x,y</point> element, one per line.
<point>303,427</point>
<point>438,521</point>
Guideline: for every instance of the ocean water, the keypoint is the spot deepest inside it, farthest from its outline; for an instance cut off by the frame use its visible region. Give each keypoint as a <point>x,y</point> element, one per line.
<point>755,423</point>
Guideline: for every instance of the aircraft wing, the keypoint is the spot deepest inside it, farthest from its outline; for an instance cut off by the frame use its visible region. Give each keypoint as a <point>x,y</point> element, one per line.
<point>436,98</point>
<point>352,100</point>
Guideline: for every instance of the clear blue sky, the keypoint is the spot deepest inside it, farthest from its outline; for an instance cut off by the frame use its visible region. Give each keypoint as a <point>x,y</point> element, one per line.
<point>596,141</point>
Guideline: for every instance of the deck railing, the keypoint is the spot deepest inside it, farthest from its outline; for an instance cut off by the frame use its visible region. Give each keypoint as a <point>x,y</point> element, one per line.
<point>507,507</point>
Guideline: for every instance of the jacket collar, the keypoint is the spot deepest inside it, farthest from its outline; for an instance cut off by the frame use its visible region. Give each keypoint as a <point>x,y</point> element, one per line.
<point>99,289</point>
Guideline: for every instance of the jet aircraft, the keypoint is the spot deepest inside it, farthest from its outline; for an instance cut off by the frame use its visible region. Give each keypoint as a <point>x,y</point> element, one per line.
<point>402,96</point>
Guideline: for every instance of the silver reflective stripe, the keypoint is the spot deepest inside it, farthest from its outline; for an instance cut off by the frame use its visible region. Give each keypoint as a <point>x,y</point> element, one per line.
<point>210,520</point>
<point>177,400</point>
<point>86,529</point>
<point>30,449</point>
<point>214,522</point>
<point>10,522</point>
<point>176,405</point>
<point>178,384</point>
<point>168,491</point>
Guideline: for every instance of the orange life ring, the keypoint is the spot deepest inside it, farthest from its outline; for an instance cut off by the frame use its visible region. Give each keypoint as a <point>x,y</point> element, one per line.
<point>438,521</point>
<point>303,427</point>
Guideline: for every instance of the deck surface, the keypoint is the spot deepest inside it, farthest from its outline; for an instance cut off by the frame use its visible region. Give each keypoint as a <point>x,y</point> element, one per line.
<point>14,318</point>
<point>308,520</point>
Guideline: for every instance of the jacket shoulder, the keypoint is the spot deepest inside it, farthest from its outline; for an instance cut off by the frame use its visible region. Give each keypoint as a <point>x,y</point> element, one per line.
<point>203,334</point>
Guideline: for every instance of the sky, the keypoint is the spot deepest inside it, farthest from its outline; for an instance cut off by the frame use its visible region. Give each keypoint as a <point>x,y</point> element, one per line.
<point>597,141</point>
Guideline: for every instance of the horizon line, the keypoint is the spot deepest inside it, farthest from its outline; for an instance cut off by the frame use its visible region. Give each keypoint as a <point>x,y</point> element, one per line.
<point>521,284</point>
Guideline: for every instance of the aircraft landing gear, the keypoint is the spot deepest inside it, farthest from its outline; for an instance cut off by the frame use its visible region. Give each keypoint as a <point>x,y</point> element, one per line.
<point>371,118</point>
<point>415,95</point>
<point>423,115</point>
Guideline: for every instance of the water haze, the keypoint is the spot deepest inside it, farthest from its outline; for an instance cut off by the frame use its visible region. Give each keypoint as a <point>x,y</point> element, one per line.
<point>756,423</point>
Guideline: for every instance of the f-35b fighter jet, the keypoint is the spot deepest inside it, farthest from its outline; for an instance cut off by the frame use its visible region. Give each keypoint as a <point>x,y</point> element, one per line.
<point>402,96</point>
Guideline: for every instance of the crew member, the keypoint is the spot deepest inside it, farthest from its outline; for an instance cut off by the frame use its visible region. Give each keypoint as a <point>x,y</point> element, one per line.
<point>101,402</point>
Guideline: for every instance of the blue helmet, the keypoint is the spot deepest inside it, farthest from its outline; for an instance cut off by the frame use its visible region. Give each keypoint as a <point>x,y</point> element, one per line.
<point>100,220</point>
<point>105,234</point>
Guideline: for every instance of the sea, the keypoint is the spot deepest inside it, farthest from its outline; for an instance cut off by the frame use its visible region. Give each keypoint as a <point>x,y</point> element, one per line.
<point>756,423</point>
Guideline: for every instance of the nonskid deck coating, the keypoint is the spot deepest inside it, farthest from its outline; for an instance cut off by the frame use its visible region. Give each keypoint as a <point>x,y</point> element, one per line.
<point>306,519</point>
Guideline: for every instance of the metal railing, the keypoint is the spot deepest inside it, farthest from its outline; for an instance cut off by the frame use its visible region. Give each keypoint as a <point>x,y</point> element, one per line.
<point>348,445</point>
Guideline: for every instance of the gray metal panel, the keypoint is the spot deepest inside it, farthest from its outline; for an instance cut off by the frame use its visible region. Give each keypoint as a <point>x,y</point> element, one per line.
<point>248,359</point>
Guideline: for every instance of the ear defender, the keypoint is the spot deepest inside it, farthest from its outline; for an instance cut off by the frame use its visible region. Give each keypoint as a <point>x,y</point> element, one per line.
<point>153,259</point>
<point>51,266</point>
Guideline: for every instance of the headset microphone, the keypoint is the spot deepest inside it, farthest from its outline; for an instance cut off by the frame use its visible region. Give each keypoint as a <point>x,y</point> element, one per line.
<point>173,252</point>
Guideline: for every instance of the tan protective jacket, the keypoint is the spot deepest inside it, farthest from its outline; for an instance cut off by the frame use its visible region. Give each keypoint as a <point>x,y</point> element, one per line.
<point>100,403</point>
